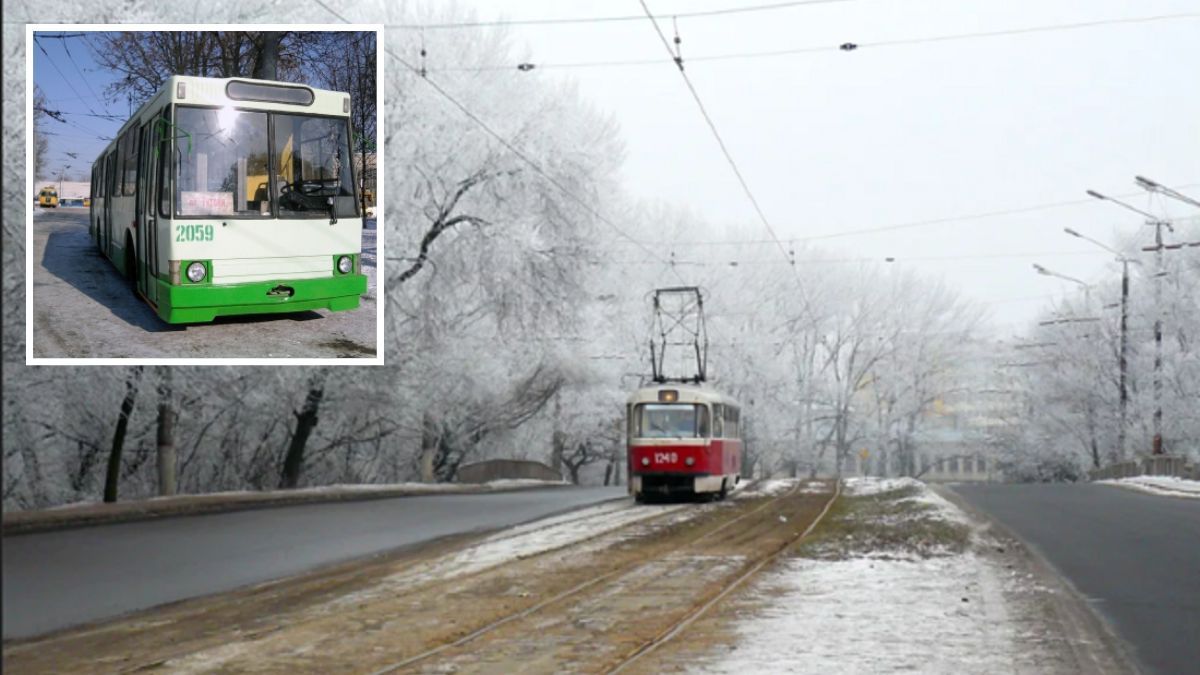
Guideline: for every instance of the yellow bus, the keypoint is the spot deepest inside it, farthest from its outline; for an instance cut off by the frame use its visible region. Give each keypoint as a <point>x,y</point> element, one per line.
<point>48,197</point>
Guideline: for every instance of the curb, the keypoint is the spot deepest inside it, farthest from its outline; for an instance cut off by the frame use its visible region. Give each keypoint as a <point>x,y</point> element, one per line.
<point>32,522</point>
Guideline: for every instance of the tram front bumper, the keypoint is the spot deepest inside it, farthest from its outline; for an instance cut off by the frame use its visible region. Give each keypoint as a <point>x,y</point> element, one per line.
<point>201,303</point>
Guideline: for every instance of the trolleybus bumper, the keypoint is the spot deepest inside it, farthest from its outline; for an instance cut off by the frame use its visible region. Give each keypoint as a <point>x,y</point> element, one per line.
<point>201,303</point>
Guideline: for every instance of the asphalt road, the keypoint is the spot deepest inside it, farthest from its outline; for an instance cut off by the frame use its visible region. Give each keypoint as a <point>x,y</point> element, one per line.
<point>57,579</point>
<point>1134,556</point>
<point>83,307</point>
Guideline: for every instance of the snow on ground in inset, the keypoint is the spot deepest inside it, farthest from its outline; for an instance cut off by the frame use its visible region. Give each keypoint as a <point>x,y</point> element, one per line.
<point>1160,485</point>
<point>880,611</point>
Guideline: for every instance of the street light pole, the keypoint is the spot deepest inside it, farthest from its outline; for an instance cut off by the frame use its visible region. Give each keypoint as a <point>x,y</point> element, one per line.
<point>1122,358</point>
<point>1089,405</point>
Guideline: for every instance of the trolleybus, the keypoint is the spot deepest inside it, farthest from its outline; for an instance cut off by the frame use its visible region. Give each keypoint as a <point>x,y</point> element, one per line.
<point>683,441</point>
<point>233,196</point>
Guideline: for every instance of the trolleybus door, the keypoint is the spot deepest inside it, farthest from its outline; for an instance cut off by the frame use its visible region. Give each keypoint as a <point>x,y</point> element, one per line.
<point>147,235</point>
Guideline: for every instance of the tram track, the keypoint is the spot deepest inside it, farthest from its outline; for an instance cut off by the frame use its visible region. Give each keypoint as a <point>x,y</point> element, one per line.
<point>681,624</point>
<point>569,593</point>
<point>572,609</point>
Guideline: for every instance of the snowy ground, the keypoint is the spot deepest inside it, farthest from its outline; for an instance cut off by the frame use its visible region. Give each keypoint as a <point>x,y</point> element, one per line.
<point>885,597</point>
<point>1159,485</point>
<point>72,280</point>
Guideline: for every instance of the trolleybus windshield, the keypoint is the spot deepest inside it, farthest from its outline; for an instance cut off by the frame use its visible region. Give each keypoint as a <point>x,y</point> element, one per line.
<point>229,164</point>
<point>221,165</point>
<point>672,420</point>
<point>312,160</point>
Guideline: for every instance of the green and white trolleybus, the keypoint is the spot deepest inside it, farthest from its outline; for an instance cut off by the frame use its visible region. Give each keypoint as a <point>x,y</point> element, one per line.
<point>233,196</point>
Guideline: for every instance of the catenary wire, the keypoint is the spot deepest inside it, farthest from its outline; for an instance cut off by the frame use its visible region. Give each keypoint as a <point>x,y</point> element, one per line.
<point>511,148</point>
<point>854,46</point>
<point>614,19</point>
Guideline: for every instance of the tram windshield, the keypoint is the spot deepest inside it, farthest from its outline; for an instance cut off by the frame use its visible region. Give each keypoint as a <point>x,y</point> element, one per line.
<point>672,420</point>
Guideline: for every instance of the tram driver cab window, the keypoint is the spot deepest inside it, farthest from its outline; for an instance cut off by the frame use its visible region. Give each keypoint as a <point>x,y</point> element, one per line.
<point>657,420</point>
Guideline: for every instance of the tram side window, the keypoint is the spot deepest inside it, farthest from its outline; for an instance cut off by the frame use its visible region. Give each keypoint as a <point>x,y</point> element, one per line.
<point>221,163</point>
<point>630,423</point>
<point>732,422</point>
<point>718,420</point>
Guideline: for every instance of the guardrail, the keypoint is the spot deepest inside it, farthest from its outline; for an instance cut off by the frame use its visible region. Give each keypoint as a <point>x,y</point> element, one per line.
<point>1157,465</point>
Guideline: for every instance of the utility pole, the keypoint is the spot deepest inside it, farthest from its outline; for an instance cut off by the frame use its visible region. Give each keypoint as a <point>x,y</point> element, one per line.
<point>1122,359</point>
<point>1158,224</point>
<point>1157,447</point>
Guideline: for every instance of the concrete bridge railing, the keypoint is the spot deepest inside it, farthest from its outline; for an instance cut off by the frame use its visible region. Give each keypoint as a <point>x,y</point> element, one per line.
<point>1156,465</point>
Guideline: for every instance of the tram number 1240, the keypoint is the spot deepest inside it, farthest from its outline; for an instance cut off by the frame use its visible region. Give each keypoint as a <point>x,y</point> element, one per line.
<point>665,458</point>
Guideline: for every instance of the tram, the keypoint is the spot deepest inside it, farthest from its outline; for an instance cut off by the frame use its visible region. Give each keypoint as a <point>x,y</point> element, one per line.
<point>227,196</point>
<point>683,441</point>
<point>48,197</point>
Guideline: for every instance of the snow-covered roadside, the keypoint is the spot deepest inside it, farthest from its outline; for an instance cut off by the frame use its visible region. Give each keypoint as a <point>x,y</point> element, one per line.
<point>1160,485</point>
<point>874,602</point>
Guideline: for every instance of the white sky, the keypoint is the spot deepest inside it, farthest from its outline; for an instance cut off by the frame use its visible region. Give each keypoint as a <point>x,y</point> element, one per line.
<point>833,141</point>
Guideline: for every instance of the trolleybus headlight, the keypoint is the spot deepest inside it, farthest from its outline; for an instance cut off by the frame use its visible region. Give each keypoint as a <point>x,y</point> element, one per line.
<point>645,461</point>
<point>196,272</point>
<point>345,264</point>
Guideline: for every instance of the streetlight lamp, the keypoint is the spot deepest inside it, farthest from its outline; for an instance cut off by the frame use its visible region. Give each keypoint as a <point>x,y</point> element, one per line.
<point>1050,273</point>
<point>1122,360</point>
<point>1157,223</point>
<point>1152,186</point>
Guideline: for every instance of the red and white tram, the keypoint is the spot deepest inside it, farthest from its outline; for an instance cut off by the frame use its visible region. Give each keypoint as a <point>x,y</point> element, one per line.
<point>683,441</point>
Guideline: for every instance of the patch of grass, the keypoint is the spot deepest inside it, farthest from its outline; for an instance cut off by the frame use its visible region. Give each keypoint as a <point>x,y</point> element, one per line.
<point>886,525</point>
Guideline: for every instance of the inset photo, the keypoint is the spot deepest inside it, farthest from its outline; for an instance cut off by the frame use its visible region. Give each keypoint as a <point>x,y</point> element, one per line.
<point>204,195</point>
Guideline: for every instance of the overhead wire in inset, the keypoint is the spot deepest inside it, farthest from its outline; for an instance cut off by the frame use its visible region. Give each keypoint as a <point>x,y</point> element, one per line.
<point>66,80</point>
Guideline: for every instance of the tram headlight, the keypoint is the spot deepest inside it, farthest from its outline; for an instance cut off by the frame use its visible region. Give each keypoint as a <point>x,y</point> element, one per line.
<point>196,272</point>
<point>645,461</point>
<point>345,264</point>
<point>689,461</point>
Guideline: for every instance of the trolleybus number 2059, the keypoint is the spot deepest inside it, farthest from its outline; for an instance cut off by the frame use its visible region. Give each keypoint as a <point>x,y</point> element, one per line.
<point>233,196</point>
